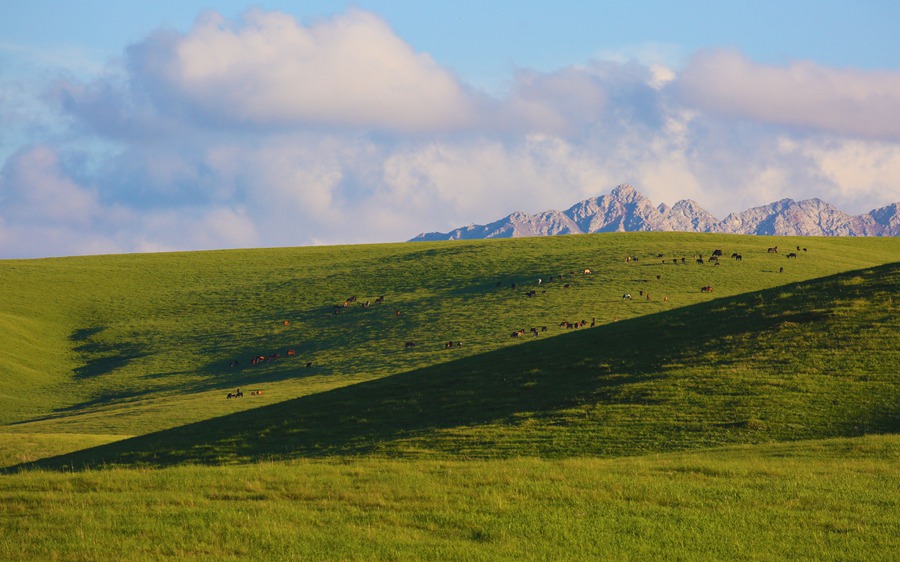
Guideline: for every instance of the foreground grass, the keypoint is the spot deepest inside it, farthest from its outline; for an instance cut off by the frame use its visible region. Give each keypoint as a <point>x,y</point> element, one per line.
<point>17,448</point>
<point>832,499</point>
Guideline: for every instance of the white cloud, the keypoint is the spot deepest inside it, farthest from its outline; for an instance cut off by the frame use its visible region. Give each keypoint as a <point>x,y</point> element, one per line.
<point>479,181</point>
<point>802,94</point>
<point>268,70</point>
<point>856,173</point>
<point>34,186</point>
<point>648,54</point>
<point>185,228</point>
<point>265,132</point>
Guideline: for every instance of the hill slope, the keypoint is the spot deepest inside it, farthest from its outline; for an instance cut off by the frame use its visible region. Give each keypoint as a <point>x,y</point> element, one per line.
<point>102,348</point>
<point>808,360</point>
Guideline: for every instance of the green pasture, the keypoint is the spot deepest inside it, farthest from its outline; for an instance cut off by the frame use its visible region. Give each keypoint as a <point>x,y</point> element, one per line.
<point>812,500</point>
<point>758,420</point>
<point>138,343</point>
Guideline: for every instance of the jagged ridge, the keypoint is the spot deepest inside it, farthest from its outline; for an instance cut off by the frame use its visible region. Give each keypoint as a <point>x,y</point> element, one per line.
<point>627,210</point>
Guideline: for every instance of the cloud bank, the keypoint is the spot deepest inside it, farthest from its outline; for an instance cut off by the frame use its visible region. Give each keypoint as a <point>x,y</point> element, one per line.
<point>801,95</point>
<point>266,131</point>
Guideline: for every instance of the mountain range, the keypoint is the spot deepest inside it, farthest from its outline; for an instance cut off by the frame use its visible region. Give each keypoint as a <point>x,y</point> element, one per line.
<point>627,210</point>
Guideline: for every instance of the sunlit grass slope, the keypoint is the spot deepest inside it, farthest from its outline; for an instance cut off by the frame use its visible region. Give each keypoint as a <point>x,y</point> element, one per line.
<point>807,360</point>
<point>759,421</point>
<point>810,500</point>
<point>131,344</point>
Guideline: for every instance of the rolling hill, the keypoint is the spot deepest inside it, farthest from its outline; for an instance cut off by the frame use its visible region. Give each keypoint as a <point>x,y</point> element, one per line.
<point>758,420</point>
<point>150,345</point>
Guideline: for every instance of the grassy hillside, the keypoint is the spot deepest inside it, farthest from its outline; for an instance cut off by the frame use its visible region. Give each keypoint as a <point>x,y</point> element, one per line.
<point>150,342</point>
<point>807,360</point>
<point>756,421</point>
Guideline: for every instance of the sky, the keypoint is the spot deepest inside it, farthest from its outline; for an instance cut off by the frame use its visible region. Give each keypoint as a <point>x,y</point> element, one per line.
<point>182,125</point>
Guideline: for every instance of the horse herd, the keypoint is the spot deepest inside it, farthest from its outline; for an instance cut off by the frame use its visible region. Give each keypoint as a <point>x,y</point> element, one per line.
<point>238,394</point>
<point>534,331</point>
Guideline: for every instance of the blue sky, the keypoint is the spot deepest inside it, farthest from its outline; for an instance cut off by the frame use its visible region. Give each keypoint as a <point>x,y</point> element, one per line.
<point>131,127</point>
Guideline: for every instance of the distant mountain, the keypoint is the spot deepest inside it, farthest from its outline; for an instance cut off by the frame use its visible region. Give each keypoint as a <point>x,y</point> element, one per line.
<point>626,210</point>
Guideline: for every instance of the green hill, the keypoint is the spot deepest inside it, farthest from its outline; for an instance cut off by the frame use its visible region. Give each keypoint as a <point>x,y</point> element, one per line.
<point>140,344</point>
<point>804,361</point>
<point>760,420</point>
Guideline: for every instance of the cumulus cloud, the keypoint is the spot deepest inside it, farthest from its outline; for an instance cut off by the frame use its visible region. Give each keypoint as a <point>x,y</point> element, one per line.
<point>802,94</point>
<point>263,131</point>
<point>34,186</point>
<point>44,210</point>
<point>852,173</point>
<point>266,69</point>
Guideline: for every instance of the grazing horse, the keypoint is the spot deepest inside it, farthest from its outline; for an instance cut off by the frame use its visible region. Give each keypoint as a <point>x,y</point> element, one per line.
<point>791,255</point>
<point>773,250</point>
<point>626,297</point>
<point>291,353</point>
<point>707,289</point>
<point>717,253</point>
<point>587,272</point>
<point>699,261</point>
<point>235,394</point>
<point>409,344</point>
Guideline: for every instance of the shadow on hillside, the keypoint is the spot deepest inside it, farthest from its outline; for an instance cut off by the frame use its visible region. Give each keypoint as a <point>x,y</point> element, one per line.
<point>598,365</point>
<point>104,358</point>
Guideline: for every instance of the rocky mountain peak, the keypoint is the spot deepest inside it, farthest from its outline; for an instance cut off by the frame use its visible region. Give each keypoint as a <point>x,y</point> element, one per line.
<point>626,209</point>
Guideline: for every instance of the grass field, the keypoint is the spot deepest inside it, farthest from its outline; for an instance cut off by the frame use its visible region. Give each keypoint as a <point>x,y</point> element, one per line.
<point>756,421</point>
<point>822,500</point>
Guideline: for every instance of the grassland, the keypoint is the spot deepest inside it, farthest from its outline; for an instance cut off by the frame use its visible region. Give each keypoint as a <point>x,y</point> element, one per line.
<point>823,500</point>
<point>759,420</point>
